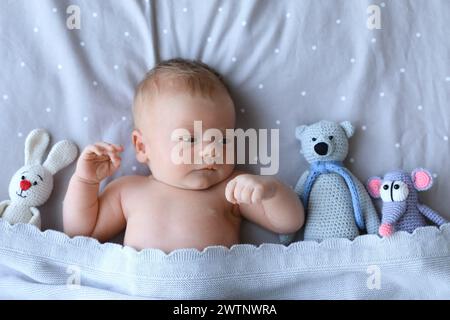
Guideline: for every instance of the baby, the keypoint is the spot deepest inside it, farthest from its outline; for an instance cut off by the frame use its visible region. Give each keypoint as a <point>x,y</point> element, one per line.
<point>178,205</point>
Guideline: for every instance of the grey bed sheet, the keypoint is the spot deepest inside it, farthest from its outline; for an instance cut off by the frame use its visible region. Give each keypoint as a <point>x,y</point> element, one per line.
<point>287,63</point>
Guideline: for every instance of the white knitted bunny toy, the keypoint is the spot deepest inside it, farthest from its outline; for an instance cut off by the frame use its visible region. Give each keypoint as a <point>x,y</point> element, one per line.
<point>32,184</point>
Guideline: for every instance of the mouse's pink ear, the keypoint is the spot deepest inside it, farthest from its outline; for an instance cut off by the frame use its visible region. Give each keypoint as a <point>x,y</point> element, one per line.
<point>422,179</point>
<point>373,186</point>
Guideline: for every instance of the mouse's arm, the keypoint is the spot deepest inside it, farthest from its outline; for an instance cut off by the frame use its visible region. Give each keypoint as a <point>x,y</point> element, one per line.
<point>299,187</point>
<point>431,214</point>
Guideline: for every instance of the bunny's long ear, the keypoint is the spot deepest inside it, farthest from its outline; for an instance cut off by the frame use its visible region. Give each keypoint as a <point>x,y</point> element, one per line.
<point>60,156</point>
<point>35,145</point>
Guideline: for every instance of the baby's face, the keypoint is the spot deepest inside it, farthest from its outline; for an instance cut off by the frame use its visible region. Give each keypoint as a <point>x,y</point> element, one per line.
<point>174,110</point>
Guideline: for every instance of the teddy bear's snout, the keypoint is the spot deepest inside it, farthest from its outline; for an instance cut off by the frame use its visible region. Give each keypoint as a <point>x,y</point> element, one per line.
<point>321,148</point>
<point>25,185</point>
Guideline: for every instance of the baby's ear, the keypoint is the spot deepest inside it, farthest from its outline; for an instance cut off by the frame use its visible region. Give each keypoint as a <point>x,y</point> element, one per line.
<point>299,131</point>
<point>422,179</point>
<point>348,128</point>
<point>139,146</point>
<point>373,186</point>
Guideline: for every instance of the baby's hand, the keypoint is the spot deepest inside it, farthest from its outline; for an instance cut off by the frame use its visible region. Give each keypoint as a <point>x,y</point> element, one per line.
<point>98,161</point>
<point>250,189</point>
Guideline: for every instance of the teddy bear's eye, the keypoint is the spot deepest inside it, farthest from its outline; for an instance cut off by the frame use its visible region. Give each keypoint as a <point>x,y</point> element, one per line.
<point>314,139</point>
<point>23,177</point>
<point>34,183</point>
<point>330,137</point>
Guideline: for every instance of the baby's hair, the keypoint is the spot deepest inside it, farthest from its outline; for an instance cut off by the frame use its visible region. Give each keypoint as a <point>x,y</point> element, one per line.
<point>193,75</point>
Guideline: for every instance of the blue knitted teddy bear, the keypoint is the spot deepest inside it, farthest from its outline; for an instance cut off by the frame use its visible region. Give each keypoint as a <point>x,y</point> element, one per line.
<point>402,210</point>
<point>336,202</point>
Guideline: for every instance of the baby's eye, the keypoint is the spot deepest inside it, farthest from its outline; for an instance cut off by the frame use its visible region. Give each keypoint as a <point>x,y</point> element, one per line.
<point>225,140</point>
<point>188,139</point>
<point>314,139</point>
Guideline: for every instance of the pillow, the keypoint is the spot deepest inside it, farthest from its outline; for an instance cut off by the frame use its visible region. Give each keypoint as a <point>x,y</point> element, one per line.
<point>287,63</point>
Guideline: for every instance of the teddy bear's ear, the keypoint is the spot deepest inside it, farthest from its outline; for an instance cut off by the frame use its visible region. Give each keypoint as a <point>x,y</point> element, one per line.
<point>299,131</point>
<point>348,128</point>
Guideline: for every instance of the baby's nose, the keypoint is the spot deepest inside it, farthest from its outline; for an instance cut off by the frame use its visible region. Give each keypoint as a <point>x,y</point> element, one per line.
<point>209,154</point>
<point>25,185</point>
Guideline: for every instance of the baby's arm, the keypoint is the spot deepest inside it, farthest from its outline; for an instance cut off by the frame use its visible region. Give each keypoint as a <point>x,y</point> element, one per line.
<point>267,202</point>
<point>84,212</point>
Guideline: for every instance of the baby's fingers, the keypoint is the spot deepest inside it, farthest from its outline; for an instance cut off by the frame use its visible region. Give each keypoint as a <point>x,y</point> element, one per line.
<point>110,146</point>
<point>229,191</point>
<point>111,151</point>
<point>238,192</point>
<point>115,159</point>
<point>94,149</point>
<point>245,195</point>
<point>257,195</point>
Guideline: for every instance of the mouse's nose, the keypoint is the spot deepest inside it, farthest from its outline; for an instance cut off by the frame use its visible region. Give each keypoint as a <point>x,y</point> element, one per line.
<point>321,148</point>
<point>25,185</point>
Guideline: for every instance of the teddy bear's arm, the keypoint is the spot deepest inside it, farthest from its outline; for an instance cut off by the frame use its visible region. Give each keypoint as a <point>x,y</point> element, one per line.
<point>370,215</point>
<point>299,187</point>
<point>288,238</point>
<point>431,214</point>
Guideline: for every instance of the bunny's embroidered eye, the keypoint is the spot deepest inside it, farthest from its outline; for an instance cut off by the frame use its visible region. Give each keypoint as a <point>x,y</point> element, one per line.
<point>35,183</point>
<point>23,178</point>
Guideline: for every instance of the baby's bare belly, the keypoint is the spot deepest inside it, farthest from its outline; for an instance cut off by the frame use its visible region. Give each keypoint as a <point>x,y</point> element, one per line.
<point>168,231</point>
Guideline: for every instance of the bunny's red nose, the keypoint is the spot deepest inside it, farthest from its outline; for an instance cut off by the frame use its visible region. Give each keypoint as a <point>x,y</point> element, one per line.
<point>25,185</point>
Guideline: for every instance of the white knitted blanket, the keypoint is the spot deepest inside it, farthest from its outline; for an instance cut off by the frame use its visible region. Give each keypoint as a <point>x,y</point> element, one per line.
<point>49,265</point>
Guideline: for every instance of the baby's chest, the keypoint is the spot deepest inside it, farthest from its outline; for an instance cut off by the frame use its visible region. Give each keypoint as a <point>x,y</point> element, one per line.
<point>179,220</point>
<point>166,207</point>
